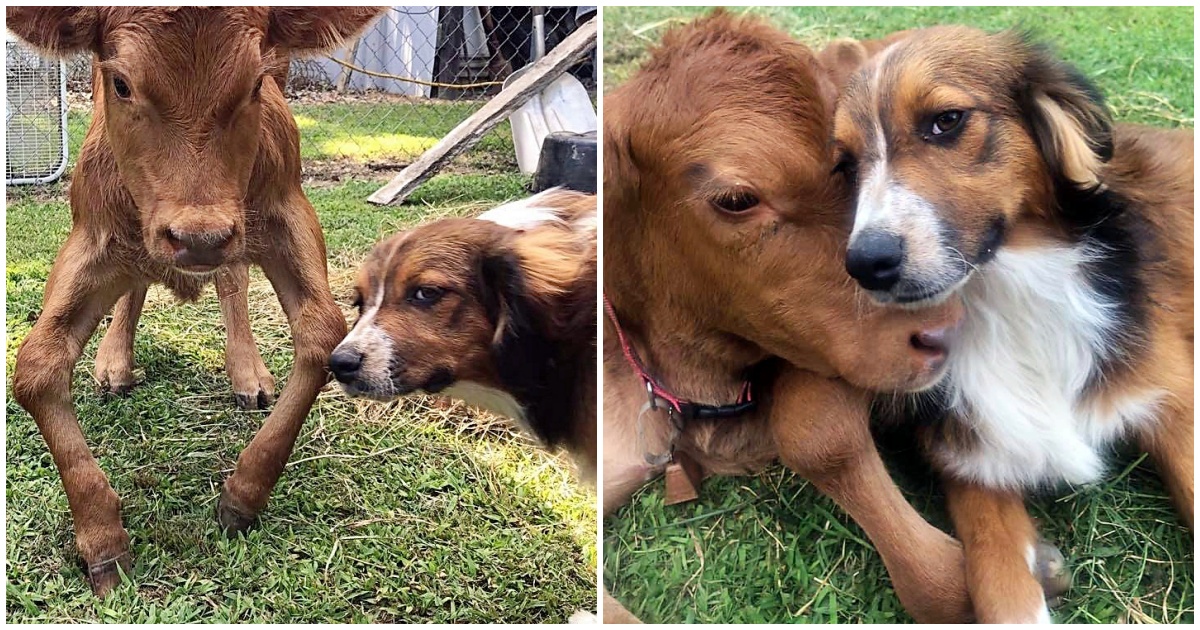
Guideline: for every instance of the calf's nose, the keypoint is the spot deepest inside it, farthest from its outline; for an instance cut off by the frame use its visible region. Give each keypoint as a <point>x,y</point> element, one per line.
<point>203,245</point>
<point>200,240</point>
<point>875,259</point>
<point>344,363</point>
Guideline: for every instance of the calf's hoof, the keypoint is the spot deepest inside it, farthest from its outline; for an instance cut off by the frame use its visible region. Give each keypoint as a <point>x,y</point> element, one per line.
<point>1050,568</point>
<point>254,400</point>
<point>253,385</point>
<point>104,575</point>
<point>233,519</point>
<point>116,382</point>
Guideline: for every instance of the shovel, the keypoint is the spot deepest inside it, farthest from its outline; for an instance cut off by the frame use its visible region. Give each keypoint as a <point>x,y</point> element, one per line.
<point>563,105</point>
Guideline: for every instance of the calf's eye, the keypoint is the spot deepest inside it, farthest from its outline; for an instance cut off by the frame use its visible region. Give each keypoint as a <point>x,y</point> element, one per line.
<point>121,87</point>
<point>736,201</point>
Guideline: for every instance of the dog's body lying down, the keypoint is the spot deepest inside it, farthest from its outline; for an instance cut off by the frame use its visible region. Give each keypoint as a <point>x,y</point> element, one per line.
<point>989,171</point>
<point>498,311</point>
<point>724,234</point>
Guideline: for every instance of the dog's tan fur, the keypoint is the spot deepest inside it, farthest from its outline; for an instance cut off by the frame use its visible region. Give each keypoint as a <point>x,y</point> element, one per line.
<point>190,169</point>
<point>546,297</point>
<point>728,107</point>
<point>1059,136</point>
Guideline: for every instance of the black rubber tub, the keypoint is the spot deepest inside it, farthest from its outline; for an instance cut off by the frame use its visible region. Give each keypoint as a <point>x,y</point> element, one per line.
<point>568,160</point>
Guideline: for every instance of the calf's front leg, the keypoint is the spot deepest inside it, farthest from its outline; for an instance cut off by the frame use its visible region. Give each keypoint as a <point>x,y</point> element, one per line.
<point>296,268</point>
<point>821,429</point>
<point>114,357</point>
<point>80,290</point>
<point>253,385</point>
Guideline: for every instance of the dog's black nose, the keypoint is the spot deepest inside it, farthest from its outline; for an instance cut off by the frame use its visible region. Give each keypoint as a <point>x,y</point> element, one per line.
<point>344,363</point>
<point>875,259</point>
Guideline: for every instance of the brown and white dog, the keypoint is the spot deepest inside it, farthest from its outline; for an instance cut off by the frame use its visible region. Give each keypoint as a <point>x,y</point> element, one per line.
<point>988,171</point>
<point>724,233</point>
<point>498,311</point>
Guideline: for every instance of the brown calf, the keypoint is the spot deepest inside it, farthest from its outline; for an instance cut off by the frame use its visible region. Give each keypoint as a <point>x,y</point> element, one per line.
<point>189,173</point>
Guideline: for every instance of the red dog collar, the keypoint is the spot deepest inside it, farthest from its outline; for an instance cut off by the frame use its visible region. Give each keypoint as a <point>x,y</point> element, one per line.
<point>683,409</point>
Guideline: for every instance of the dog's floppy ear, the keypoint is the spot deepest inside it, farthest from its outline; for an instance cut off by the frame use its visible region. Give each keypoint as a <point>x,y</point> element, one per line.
<point>503,293</point>
<point>1070,122</point>
<point>58,31</point>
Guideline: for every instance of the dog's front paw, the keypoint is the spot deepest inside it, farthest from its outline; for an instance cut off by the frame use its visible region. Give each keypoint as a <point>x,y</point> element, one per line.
<point>1050,568</point>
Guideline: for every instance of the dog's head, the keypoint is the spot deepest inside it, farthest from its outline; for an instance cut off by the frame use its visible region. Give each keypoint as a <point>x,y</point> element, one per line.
<point>719,204</point>
<point>465,300</point>
<point>952,139</point>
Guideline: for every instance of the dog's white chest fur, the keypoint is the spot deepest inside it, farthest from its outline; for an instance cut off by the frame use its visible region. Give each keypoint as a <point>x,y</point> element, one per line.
<point>1033,333</point>
<point>493,400</point>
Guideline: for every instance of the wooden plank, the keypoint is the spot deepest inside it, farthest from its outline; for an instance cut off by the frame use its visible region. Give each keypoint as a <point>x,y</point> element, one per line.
<point>344,77</point>
<point>572,49</point>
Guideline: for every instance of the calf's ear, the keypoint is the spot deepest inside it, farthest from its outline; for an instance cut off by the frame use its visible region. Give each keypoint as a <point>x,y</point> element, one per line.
<point>57,31</point>
<point>316,29</point>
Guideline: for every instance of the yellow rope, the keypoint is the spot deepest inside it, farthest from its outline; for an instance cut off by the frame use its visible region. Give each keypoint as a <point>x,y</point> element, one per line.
<point>408,80</point>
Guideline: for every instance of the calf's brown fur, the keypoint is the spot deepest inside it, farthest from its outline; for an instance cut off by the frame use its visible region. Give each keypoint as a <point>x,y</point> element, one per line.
<point>724,233</point>
<point>189,170</point>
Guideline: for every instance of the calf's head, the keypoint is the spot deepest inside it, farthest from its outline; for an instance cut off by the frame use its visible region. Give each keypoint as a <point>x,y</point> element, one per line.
<point>720,206</point>
<point>180,96</point>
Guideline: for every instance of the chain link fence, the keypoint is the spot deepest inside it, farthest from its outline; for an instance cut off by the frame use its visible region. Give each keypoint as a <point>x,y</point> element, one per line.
<point>415,74</point>
<point>35,116</point>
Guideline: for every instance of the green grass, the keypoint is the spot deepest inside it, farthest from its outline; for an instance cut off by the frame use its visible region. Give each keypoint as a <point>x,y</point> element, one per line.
<point>390,132</point>
<point>387,512</point>
<point>769,548</point>
<point>1141,58</point>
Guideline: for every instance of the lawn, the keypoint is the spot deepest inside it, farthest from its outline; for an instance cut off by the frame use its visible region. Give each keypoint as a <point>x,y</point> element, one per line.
<point>769,548</point>
<point>410,511</point>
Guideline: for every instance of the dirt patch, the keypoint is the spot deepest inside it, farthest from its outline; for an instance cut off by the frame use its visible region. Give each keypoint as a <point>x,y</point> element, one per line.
<point>334,172</point>
<point>331,97</point>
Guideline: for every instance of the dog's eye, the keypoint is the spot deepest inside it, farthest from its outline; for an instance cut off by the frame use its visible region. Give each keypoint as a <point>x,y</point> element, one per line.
<point>425,296</point>
<point>847,166</point>
<point>735,201</point>
<point>121,87</point>
<point>946,122</point>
